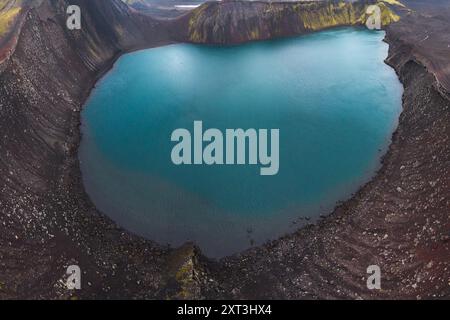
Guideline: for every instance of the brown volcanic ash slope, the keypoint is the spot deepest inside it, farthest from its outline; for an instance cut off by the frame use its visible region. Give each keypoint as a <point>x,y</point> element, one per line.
<point>11,18</point>
<point>240,21</point>
<point>399,221</point>
<point>429,41</point>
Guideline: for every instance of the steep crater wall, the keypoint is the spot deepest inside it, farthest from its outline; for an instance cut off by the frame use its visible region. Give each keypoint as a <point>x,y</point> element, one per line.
<point>230,22</point>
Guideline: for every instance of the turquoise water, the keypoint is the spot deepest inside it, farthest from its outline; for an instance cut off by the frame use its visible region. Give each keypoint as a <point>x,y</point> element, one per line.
<point>330,94</point>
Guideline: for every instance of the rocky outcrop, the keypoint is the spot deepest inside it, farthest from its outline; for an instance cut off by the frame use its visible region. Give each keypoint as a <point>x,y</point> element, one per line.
<point>46,220</point>
<point>399,221</point>
<point>230,22</point>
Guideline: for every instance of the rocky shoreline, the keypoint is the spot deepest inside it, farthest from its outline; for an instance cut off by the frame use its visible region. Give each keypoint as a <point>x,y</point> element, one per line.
<point>399,220</point>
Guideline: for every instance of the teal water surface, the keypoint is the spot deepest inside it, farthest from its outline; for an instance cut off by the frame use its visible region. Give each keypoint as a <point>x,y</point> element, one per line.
<point>334,100</point>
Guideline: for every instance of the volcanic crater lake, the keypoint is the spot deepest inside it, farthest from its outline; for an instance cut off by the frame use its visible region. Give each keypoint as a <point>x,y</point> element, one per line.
<point>330,94</point>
